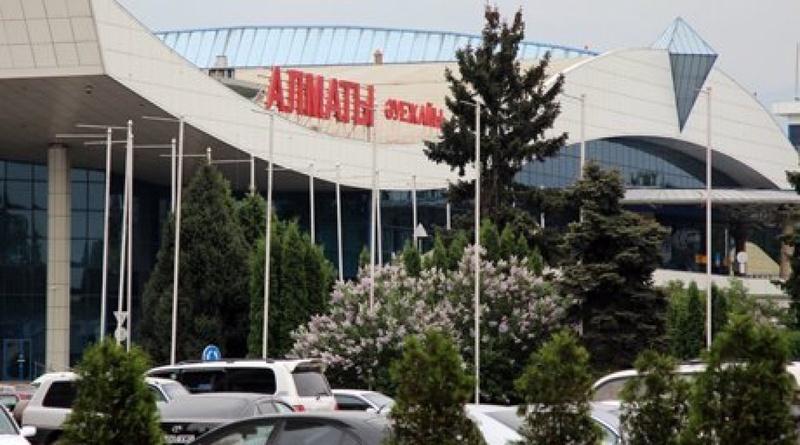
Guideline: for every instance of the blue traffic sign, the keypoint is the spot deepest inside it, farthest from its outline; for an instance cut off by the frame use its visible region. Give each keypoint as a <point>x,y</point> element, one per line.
<point>211,353</point>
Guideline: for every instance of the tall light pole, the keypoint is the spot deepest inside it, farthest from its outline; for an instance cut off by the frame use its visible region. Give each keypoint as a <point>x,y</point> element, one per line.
<point>340,255</point>
<point>373,217</point>
<point>709,335</point>
<point>477,258</point>
<point>109,142</point>
<point>268,236</point>
<point>176,257</point>
<point>311,205</point>
<point>582,154</point>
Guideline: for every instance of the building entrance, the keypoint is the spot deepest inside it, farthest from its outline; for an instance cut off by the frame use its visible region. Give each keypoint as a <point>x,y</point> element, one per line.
<point>17,359</point>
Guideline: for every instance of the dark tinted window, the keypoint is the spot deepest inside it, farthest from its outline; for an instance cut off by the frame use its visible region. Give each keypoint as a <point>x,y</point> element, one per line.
<point>258,380</point>
<point>311,384</point>
<point>350,403</point>
<point>309,432</point>
<point>60,395</point>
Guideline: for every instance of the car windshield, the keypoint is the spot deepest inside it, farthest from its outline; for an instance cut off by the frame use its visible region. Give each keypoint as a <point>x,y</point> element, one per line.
<point>174,390</point>
<point>6,424</point>
<point>311,384</point>
<point>378,399</point>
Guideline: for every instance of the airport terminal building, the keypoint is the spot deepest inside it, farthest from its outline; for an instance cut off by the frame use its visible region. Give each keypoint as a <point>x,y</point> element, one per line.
<point>331,107</point>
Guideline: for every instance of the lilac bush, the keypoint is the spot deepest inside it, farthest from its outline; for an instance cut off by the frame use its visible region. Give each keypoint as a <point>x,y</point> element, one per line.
<point>518,310</point>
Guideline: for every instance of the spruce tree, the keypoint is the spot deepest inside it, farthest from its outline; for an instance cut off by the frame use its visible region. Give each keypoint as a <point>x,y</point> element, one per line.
<point>746,394</point>
<point>556,387</point>
<point>686,322</point>
<point>655,403</point>
<point>517,108</point>
<point>611,256</point>
<point>251,214</point>
<point>300,283</point>
<point>114,404</point>
<point>432,388</point>
<point>213,303</point>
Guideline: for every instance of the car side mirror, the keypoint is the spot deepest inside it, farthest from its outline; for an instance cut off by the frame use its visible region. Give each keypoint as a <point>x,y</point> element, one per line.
<point>28,431</point>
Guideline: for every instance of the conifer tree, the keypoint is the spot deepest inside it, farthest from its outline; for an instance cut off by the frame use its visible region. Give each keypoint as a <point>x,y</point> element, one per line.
<point>746,394</point>
<point>686,322</point>
<point>655,403</point>
<point>300,283</point>
<point>432,388</point>
<point>611,256</point>
<point>251,213</point>
<point>213,303</point>
<point>114,404</point>
<point>517,108</point>
<point>556,387</point>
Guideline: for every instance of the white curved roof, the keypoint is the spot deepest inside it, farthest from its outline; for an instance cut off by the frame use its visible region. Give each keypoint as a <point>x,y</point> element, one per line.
<point>628,94</point>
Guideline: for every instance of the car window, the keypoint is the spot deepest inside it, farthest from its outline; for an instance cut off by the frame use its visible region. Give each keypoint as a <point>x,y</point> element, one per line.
<point>6,425</point>
<point>174,390</point>
<point>610,389</point>
<point>242,434</point>
<point>157,394</point>
<point>260,380</point>
<point>311,384</point>
<point>309,432</point>
<point>350,403</point>
<point>60,395</point>
<point>378,399</point>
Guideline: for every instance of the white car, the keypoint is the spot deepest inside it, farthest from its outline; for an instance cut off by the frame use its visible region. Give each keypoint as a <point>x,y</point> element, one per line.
<point>607,388</point>
<point>362,400</point>
<point>10,433</point>
<point>300,383</point>
<point>55,392</point>
<point>500,424</point>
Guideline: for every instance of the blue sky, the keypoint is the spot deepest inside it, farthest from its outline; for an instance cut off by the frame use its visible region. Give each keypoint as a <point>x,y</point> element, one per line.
<point>756,40</point>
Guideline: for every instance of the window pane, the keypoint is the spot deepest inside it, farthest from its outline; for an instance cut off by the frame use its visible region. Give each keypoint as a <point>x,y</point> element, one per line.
<point>19,195</point>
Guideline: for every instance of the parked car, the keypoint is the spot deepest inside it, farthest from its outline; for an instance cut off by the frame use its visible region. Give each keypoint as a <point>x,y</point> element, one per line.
<point>190,417</point>
<point>607,388</point>
<point>300,383</point>
<point>53,396</point>
<point>501,425</point>
<point>10,433</point>
<point>318,428</point>
<point>362,400</point>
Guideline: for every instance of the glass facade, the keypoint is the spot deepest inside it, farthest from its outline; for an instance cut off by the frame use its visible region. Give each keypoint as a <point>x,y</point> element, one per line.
<point>23,259</point>
<point>646,164</point>
<point>396,220</point>
<point>642,164</point>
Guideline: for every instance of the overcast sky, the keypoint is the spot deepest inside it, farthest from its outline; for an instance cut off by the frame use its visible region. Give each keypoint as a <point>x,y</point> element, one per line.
<point>756,39</point>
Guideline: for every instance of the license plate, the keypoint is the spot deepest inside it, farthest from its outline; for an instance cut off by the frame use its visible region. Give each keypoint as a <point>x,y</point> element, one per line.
<point>178,438</point>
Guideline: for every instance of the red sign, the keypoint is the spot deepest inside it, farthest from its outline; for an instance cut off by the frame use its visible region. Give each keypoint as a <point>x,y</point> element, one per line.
<point>312,95</point>
<point>417,114</point>
<point>309,95</point>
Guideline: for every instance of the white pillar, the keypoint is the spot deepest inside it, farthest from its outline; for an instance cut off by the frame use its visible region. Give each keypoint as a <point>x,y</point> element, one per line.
<point>268,236</point>
<point>709,334</point>
<point>58,258</point>
<point>106,212</point>
<point>177,250</point>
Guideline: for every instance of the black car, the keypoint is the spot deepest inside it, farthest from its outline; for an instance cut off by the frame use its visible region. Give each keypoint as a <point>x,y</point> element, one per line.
<point>340,428</point>
<point>187,418</point>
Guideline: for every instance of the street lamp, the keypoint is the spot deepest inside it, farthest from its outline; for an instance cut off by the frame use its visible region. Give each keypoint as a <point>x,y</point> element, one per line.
<point>709,336</point>
<point>582,99</point>
<point>477,253</point>
<point>268,237</point>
